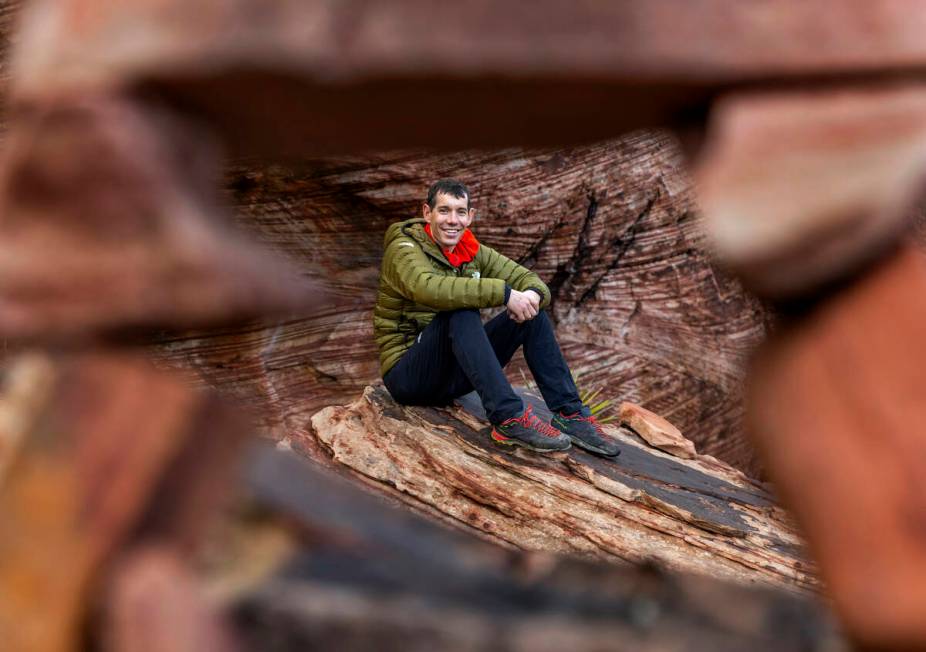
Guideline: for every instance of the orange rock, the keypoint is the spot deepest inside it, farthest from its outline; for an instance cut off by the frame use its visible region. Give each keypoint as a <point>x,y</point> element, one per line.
<point>108,455</point>
<point>656,431</point>
<point>836,409</point>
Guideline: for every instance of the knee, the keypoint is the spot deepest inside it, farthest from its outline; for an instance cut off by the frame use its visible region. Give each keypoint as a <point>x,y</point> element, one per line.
<point>463,320</point>
<point>461,316</point>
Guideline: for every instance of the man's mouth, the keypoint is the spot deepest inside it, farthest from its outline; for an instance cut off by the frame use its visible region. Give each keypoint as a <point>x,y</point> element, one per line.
<point>452,233</point>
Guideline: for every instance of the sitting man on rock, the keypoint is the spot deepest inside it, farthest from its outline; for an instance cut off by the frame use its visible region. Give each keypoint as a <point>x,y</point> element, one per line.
<point>433,346</point>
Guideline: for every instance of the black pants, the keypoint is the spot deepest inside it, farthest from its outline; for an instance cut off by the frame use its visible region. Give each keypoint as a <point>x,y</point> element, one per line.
<point>456,354</point>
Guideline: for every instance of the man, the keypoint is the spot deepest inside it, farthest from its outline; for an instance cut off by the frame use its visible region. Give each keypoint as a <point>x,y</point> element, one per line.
<point>433,347</point>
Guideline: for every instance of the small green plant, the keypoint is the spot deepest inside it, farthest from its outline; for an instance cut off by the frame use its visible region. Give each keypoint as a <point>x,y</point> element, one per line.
<point>526,382</point>
<point>602,410</point>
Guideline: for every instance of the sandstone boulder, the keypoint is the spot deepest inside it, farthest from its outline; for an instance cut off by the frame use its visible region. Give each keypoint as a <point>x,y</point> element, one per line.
<point>656,431</point>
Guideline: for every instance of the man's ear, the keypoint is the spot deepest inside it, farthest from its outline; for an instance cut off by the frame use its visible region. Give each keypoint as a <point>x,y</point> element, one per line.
<point>425,211</point>
<point>472,215</point>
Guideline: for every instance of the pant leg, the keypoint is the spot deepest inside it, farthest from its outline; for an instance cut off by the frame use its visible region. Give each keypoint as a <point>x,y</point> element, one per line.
<point>482,367</point>
<point>426,373</point>
<point>543,355</point>
<point>453,357</point>
<point>504,341</point>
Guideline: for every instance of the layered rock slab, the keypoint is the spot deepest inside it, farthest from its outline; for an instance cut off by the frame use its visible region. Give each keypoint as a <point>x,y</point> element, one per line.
<point>697,515</point>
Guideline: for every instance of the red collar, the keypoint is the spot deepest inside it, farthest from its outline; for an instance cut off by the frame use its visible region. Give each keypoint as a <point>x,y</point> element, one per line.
<point>465,250</point>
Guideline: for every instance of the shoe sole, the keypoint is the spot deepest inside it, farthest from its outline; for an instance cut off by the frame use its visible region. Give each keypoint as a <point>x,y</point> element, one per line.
<point>592,449</point>
<point>518,442</point>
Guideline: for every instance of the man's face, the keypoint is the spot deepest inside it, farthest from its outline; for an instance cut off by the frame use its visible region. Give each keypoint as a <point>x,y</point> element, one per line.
<point>448,219</point>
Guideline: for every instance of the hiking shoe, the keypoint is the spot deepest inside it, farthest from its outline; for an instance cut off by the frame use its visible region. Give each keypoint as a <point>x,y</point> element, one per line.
<point>585,431</point>
<point>530,432</point>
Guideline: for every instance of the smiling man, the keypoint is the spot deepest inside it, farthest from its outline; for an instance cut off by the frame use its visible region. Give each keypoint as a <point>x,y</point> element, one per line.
<point>433,346</point>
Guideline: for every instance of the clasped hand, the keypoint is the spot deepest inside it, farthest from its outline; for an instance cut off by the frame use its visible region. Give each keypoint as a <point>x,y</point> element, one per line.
<point>523,306</point>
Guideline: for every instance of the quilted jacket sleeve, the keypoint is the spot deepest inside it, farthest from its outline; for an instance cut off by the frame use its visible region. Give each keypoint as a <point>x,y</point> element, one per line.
<point>407,269</point>
<point>497,266</point>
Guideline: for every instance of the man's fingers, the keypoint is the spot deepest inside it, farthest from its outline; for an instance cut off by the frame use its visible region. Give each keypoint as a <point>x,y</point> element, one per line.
<point>524,306</point>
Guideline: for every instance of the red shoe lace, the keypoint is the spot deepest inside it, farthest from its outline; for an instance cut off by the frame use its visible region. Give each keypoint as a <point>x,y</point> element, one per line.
<point>590,418</point>
<point>530,420</point>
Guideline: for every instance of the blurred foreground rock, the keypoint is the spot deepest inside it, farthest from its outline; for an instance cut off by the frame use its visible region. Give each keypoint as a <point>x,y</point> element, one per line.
<point>837,406</point>
<point>103,456</point>
<point>373,576</point>
<point>111,221</point>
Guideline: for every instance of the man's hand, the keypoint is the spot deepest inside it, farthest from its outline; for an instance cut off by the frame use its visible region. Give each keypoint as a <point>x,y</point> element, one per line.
<point>523,306</point>
<point>531,294</point>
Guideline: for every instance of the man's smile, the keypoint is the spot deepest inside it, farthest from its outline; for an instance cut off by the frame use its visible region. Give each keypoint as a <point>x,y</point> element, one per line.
<point>448,218</point>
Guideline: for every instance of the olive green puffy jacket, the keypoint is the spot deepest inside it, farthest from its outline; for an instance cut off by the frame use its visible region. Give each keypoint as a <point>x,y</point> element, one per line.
<point>417,281</point>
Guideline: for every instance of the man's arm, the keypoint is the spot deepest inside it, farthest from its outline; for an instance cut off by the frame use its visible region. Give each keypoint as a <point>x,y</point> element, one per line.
<point>495,265</point>
<point>406,268</point>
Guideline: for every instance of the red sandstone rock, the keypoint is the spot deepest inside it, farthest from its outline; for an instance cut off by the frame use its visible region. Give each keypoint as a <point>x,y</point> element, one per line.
<point>836,405</point>
<point>801,189</point>
<point>154,601</point>
<point>371,571</point>
<point>109,221</point>
<point>587,70</point>
<point>656,431</point>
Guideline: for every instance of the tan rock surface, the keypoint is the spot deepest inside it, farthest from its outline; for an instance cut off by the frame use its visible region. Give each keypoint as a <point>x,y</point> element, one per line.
<point>656,431</point>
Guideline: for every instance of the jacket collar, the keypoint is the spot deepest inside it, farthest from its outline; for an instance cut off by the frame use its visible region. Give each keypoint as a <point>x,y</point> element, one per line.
<point>414,228</point>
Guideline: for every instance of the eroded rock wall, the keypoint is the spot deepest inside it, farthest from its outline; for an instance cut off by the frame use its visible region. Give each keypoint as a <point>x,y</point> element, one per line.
<point>610,226</point>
